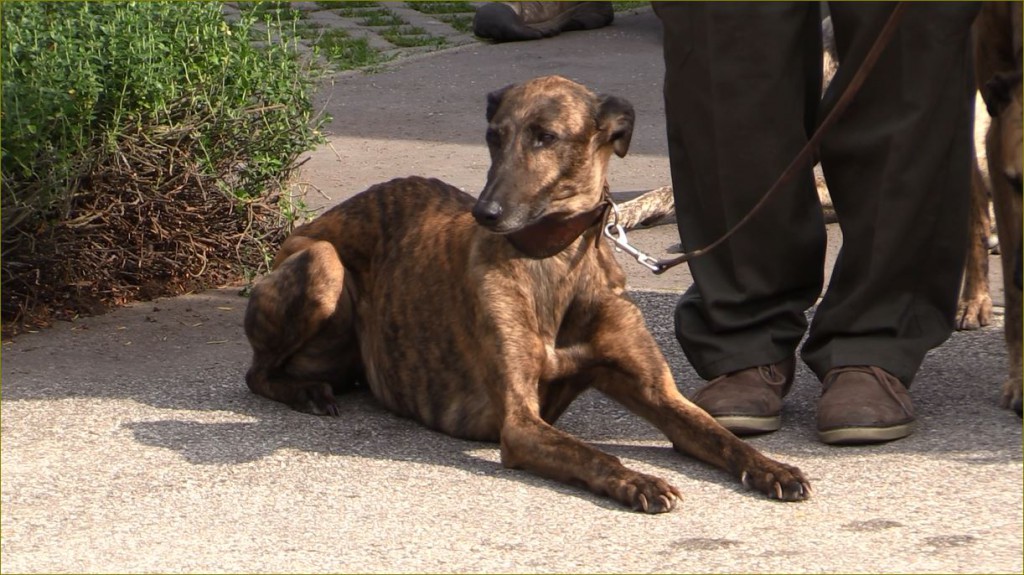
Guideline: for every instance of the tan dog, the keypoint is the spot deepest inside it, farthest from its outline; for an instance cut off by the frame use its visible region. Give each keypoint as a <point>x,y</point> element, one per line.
<point>485,319</point>
<point>997,37</point>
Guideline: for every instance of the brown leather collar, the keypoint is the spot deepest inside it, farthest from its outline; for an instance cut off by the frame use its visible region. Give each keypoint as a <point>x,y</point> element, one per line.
<point>552,234</point>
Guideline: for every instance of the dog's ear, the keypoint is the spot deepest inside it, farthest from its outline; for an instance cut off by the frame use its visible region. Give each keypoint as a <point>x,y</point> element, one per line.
<point>615,118</point>
<point>998,92</point>
<point>494,100</point>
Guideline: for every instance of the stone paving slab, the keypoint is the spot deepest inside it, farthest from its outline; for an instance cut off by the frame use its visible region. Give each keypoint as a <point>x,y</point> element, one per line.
<point>352,20</point>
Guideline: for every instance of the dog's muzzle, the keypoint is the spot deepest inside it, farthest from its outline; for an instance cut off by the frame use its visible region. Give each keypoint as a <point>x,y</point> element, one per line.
<point>487,213</point>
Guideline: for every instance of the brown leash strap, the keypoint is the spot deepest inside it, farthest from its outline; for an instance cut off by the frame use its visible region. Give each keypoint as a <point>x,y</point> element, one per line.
<point>809,149</point>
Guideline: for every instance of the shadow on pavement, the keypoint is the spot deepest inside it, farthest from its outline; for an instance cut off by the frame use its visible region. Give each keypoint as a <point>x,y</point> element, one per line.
<point>188,355</point>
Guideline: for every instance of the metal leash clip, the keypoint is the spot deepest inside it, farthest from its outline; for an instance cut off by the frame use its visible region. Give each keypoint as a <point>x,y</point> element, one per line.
<point>617,234</point>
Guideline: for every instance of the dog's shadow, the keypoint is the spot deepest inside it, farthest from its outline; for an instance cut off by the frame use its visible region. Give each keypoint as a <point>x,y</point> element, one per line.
<point>363,429</point>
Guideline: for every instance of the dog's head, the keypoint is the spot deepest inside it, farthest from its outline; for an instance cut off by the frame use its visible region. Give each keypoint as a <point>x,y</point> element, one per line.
<point>550,140</point>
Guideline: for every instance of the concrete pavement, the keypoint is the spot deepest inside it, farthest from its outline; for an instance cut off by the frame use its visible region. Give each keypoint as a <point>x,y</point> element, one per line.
<point>130,443</point>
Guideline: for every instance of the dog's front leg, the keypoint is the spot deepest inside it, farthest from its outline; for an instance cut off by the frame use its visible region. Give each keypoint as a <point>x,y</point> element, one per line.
<point>635,373</point>
<point>530,443</point>
<point>695,433</point>
<point>975,306</point>
<point>566,361</point>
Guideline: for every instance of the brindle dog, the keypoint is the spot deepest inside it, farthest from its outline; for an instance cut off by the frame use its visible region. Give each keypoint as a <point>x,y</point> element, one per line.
<point>484,319</point>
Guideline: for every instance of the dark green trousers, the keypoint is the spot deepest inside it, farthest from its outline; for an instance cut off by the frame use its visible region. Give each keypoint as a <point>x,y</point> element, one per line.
<point>742,96</point>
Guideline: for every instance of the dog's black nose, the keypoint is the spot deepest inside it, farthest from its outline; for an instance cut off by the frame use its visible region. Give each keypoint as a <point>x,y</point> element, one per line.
<point>486,212</point>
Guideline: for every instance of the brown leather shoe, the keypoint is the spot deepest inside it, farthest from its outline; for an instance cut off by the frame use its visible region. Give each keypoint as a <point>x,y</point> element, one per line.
<point>863,404</point>
<point>748,401</point>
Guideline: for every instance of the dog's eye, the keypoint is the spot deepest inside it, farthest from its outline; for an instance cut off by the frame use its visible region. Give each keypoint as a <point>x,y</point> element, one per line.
<point>493,138</point>
<point>545,139</point>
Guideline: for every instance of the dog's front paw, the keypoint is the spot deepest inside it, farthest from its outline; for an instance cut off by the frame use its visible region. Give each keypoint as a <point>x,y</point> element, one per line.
<point>645,493</point>
<point>974,313</point>
<point>778,481</point>
<point>317,399</point>
<point>1012,391</point>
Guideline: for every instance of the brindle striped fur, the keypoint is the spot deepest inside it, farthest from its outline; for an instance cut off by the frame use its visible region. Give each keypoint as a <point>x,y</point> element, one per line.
<point>416,289</point>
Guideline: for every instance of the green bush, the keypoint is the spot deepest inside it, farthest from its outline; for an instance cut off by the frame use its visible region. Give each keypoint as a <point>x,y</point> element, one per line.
<point>134,134</point>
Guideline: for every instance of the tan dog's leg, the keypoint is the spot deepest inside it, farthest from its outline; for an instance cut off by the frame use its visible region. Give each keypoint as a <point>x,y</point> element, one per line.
<point>975,308</point>
<point>299,323</point>
<point>997,36</point>
<point>1007,203</point>
<point>1004,144</point>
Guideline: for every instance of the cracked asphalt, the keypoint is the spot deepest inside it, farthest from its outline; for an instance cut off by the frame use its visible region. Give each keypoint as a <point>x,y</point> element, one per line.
<point>131,444</point>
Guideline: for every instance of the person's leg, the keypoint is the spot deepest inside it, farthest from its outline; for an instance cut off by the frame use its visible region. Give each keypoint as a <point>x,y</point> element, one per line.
<point>898,169</point>
<point>741,86</point>
<point>742,82</point>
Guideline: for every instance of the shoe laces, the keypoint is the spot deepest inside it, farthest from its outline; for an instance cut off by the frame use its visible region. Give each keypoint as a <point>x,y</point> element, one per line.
<point>771,373</point>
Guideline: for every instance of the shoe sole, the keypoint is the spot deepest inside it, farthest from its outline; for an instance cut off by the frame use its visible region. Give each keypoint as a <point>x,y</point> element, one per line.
<point>749,425</point>
<point>865,435</point>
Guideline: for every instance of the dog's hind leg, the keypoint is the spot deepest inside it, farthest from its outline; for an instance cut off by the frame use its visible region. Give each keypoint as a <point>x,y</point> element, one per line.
<point>299,322</point>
